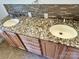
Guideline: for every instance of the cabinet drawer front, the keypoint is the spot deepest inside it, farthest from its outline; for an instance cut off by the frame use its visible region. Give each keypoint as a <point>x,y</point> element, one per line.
<point>29,39</point>
<point>36,51</point>
<point>31,46</point>
<point>32,39</point>
<point>32,43</point>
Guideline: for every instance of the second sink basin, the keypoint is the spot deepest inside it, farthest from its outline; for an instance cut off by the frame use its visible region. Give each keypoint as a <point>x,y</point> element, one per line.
<point>11,22</point>
<point>63,31</point>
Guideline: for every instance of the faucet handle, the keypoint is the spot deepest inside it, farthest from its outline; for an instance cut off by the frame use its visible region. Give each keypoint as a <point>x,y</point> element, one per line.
<point>64,20</point>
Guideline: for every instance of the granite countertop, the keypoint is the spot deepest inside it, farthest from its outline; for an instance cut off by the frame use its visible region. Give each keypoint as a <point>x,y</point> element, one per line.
<point>39,28</point>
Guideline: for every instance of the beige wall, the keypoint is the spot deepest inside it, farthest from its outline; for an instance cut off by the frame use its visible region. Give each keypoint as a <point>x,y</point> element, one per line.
<point>58,1</point>
<point>40,1</point>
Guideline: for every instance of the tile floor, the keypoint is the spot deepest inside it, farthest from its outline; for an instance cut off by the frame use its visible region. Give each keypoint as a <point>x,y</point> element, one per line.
<point>7,52</point>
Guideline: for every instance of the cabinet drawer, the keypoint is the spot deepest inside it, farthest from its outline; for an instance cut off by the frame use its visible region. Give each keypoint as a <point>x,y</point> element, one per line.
<point>33,50</point>
<point>31,46</point>
<point>30,39</point>
<point>32,43</point>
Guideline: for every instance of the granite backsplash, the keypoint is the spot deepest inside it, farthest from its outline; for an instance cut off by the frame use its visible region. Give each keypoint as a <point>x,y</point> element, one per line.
<point>38,10</point>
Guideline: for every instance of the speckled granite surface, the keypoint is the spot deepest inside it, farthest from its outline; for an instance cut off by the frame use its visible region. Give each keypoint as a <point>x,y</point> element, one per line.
<point>39,28</point>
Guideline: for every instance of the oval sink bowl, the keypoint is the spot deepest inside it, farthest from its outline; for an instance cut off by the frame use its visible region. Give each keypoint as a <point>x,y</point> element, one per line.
<point>63,31</point>
<point>11,22</point>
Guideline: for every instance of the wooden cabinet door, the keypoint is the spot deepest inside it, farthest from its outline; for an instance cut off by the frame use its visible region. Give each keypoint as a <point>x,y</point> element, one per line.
<point>60,51</point>
<point>72,53</point>
<point>16,41</point>
<point>32,44</point>
<point>48,49</point>
<point>53,50</point>
<point>7,38</point>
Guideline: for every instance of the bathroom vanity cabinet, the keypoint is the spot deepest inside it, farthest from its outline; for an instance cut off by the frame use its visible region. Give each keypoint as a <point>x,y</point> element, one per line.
<point>41,47</point>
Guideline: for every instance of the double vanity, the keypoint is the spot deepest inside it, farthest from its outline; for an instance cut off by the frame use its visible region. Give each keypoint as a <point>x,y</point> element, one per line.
<point>51,38</point>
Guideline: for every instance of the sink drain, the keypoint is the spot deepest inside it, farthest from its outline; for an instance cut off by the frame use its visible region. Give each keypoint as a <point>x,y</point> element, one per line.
<point>60,33</point>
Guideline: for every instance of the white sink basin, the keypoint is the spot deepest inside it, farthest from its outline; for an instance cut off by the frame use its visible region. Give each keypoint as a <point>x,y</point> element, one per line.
<point>63,31</point>
<point>11,22</point>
